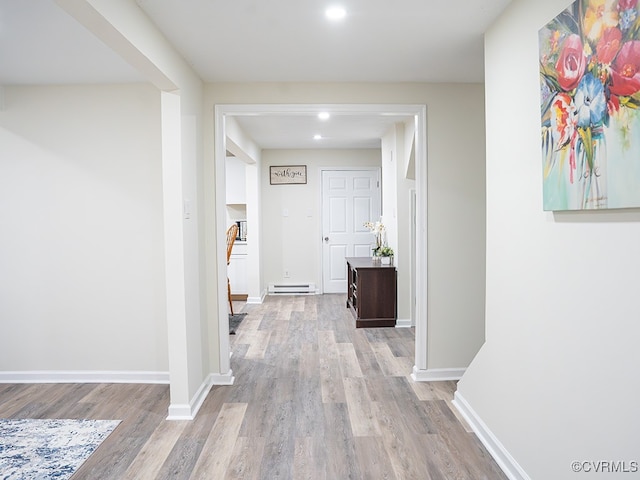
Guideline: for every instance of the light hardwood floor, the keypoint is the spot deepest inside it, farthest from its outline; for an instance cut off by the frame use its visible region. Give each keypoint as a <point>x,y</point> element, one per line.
<point>315,398</point>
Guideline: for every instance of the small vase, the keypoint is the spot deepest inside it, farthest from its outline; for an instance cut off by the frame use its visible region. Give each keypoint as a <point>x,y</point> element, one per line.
<point>591,174</point>
<point>386,260</point>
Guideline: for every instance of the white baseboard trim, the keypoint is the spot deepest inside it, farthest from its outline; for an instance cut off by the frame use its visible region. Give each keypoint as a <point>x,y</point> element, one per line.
<point>403,323</point>
<point>222,378</point>
<point>257,300</point>
<point>82,376</point>
<point>189,411</point>
<point>180,411</point>
<point>437,374</point>
<point>505,461</point>
<point>183,411</point>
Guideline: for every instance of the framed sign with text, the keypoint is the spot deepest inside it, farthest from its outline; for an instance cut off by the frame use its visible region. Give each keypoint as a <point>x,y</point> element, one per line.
<point>287,174</point>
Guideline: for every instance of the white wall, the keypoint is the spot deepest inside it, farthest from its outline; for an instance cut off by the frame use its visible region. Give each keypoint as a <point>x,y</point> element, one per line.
<point>391,149</point>
<point>456,226</point>
<point>396,210</point>
<point>192,310</point>
<point>81,249</point>
<point>396,215</point>
<point>557,379</point>
<point>455,217</point>
<point>293,243</point>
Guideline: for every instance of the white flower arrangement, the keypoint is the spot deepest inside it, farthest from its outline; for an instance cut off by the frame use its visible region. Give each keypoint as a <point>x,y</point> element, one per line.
<point>378,229</point>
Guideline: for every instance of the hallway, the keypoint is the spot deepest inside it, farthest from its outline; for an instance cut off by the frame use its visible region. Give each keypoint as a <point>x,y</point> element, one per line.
<point>314,398</point>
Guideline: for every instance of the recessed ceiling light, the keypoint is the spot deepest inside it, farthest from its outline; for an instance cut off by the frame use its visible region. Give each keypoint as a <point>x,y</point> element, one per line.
<point>317,137</point>
<point>323,115</point>
<point>335,13</point>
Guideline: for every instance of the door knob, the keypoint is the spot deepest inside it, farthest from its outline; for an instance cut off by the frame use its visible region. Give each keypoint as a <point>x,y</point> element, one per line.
<point>326,239</point>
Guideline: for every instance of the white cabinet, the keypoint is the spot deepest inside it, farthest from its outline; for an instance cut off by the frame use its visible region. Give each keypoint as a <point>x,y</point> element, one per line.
<point>236,181</point>
<point>237,269</point>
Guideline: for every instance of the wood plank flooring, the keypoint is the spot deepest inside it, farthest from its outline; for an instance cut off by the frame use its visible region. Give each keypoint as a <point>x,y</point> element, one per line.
<point>314,399</point>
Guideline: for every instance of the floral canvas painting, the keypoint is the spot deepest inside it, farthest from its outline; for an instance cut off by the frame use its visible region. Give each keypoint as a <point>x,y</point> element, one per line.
<point>590,106</point>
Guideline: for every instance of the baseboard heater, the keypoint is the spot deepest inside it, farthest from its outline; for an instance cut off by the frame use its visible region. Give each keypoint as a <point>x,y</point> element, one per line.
<point>292,288</point>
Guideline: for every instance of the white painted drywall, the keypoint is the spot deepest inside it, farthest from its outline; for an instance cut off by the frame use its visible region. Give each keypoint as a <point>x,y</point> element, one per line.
<point>291,214</point>
<point>193,325</point>
<point>81,242</point>
<point>193,320</point>
<point>396,210</point>
<point>392,149</point>
<point>557,379</point>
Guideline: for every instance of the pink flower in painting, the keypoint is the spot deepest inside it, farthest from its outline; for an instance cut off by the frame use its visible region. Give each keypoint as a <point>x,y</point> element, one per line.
<point>625,70</point>
<point>609,45</point>
<point>571,63</point>
<point>627,4</point>
<point>613,105</point>
<point>562,114</point>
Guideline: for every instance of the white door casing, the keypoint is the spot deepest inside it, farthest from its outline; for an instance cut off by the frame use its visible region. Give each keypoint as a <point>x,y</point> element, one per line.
<point>349,199</point>
<point>419,111</point>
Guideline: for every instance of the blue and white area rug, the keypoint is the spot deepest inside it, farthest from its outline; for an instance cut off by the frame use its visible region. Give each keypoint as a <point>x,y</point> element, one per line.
<point>44,449</point>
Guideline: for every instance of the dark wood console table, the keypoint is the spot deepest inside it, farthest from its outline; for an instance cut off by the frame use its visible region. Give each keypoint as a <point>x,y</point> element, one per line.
<point>371,292</point>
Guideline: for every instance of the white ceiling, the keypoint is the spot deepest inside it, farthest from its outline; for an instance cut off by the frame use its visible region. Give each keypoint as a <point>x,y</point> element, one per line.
<point>260,40</point>
<point>41,44</point>
<point>291,40</point>
<point>341,130</point>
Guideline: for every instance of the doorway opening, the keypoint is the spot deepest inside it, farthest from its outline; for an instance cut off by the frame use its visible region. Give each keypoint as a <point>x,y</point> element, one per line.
<point>418,112</point>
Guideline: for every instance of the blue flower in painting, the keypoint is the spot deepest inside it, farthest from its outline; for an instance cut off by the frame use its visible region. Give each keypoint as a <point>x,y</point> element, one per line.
<point>627,19</point>
<point>590,102</point>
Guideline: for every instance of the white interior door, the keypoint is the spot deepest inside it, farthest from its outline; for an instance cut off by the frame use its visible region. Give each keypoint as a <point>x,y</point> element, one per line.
<point>349,199</point>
